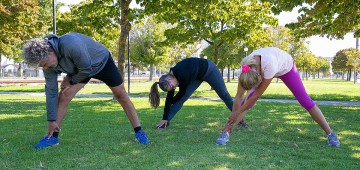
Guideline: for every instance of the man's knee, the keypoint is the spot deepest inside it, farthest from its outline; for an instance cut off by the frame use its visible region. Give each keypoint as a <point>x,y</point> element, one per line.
<point>65,97</point>
<point>120,93</point>
<point>67,94</point>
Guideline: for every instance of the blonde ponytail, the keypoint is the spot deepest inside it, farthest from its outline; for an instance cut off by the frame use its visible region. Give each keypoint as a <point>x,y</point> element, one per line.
<point>249,78</point>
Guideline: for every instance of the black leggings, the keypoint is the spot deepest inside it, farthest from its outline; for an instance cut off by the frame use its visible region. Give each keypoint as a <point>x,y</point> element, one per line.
<point>215,80</point>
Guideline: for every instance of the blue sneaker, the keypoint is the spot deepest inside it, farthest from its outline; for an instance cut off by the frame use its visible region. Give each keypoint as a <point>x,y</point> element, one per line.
<point>223,139</point>
<point>45,142</point>
<point>333,140</point>
<point>141,137</point>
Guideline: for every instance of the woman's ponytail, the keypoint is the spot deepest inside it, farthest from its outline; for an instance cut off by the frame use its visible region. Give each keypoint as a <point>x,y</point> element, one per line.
<point>248,77</point>
<point>154,96</point>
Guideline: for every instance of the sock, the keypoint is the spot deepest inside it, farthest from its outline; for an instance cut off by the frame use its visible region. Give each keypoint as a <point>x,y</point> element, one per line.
<point>55,134</point>
<point>137,129</point>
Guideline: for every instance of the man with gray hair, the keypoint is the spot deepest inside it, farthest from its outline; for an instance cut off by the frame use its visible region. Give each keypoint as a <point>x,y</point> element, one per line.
<point>81,58</point>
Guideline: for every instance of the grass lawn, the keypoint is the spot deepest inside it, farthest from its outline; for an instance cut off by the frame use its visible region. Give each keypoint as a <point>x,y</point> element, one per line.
<point>97,135</point>
<point>318,89</point>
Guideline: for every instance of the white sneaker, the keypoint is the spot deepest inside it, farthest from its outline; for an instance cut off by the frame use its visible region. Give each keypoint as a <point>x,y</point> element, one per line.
<point>223,139</point>
<point>333,140</point>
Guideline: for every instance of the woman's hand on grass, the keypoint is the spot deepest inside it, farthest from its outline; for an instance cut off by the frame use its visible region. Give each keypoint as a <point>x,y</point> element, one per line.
<point>162,124</point>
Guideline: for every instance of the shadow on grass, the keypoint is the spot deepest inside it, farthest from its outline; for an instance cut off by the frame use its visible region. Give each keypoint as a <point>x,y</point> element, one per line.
<point>97,134</point>
<point>25,90</point>
<point>265,116</point>
<point>323,97</point>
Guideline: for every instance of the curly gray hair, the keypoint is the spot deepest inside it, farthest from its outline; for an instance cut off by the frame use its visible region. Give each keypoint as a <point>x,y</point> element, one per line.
<point>35,50</point>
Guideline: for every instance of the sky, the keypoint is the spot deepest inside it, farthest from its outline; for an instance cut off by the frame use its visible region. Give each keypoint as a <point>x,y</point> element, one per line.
<point>319,46</point>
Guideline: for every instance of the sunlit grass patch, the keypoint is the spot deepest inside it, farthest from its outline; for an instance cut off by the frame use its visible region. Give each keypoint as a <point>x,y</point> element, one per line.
<point>96,134</point>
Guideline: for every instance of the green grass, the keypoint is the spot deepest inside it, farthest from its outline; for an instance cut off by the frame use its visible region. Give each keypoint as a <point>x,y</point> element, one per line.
<point>97,135</point>
<point>318,89</point>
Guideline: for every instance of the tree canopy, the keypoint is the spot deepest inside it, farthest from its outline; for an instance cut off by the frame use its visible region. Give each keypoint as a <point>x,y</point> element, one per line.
<point>217,22</point>
<point>20,20</point>
<point>329,18</point>
<point>146,48</point>
<point>96,19</point>
<point>104,20</point>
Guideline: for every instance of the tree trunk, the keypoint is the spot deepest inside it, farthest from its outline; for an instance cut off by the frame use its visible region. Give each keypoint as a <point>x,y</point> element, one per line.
<point>151,72</point>
<point>303,73</point>
<point>216,53</point>
<point>125,28</point>
<point>20,70</point>
<point>228,75</point>
<point>233,77</point>
<point>355,75</point>
<point>37,72</point>
<point>1,69</point>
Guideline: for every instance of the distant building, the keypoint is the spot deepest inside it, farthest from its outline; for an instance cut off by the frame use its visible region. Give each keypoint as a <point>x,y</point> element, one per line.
<point>8,67</point>
<point>11,69</point>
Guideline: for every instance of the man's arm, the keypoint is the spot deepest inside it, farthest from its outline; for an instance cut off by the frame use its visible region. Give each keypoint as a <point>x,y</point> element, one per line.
<point>51,91</point>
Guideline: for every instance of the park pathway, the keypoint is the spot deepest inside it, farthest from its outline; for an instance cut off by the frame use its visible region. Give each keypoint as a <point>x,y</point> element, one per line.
<point>331,103</point>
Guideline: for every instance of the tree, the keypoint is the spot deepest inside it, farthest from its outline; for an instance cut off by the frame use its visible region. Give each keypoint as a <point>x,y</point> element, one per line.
<point>179,51</point>
<point>96,19</point>
<point>285,39</point>
<point>14,22</point>
<point>353,60</point>
<point>315,66</point>
<point>146,46</point>
<point>281,37</point>
<point>324,66</point>
<point>339,62</point>
<point>229,57</point>
<point>21,20</point>
<point>304,63</point>
<point>216,22</point>
<point>322,17</point>
<point>101,19</point>
<point>125,26</point>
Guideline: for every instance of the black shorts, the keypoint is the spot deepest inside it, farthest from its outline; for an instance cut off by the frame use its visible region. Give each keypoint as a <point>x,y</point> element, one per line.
<point>110,74</point>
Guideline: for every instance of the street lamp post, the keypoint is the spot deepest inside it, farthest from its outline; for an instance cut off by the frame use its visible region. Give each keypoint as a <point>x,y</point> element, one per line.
<point>246,50</point>
<point>128,62</point>
<point>54,15</point>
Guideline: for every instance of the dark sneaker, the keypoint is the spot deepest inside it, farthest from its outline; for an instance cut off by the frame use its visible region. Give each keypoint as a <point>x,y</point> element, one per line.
<point>141,137</point>
<point>223,139</point>
<point>243,124</point>
<point>47,142</point>
<point>333,140</point>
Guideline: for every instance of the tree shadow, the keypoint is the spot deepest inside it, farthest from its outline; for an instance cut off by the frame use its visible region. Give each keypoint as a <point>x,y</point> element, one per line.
<point>98,128</point>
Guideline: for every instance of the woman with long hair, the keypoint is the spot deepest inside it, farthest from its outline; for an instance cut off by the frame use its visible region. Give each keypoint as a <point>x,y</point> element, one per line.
<point>188,75</point>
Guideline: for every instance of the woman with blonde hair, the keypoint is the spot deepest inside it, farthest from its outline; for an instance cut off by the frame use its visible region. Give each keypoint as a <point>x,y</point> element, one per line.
<point>257,71</point>
<point>188,75</point>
